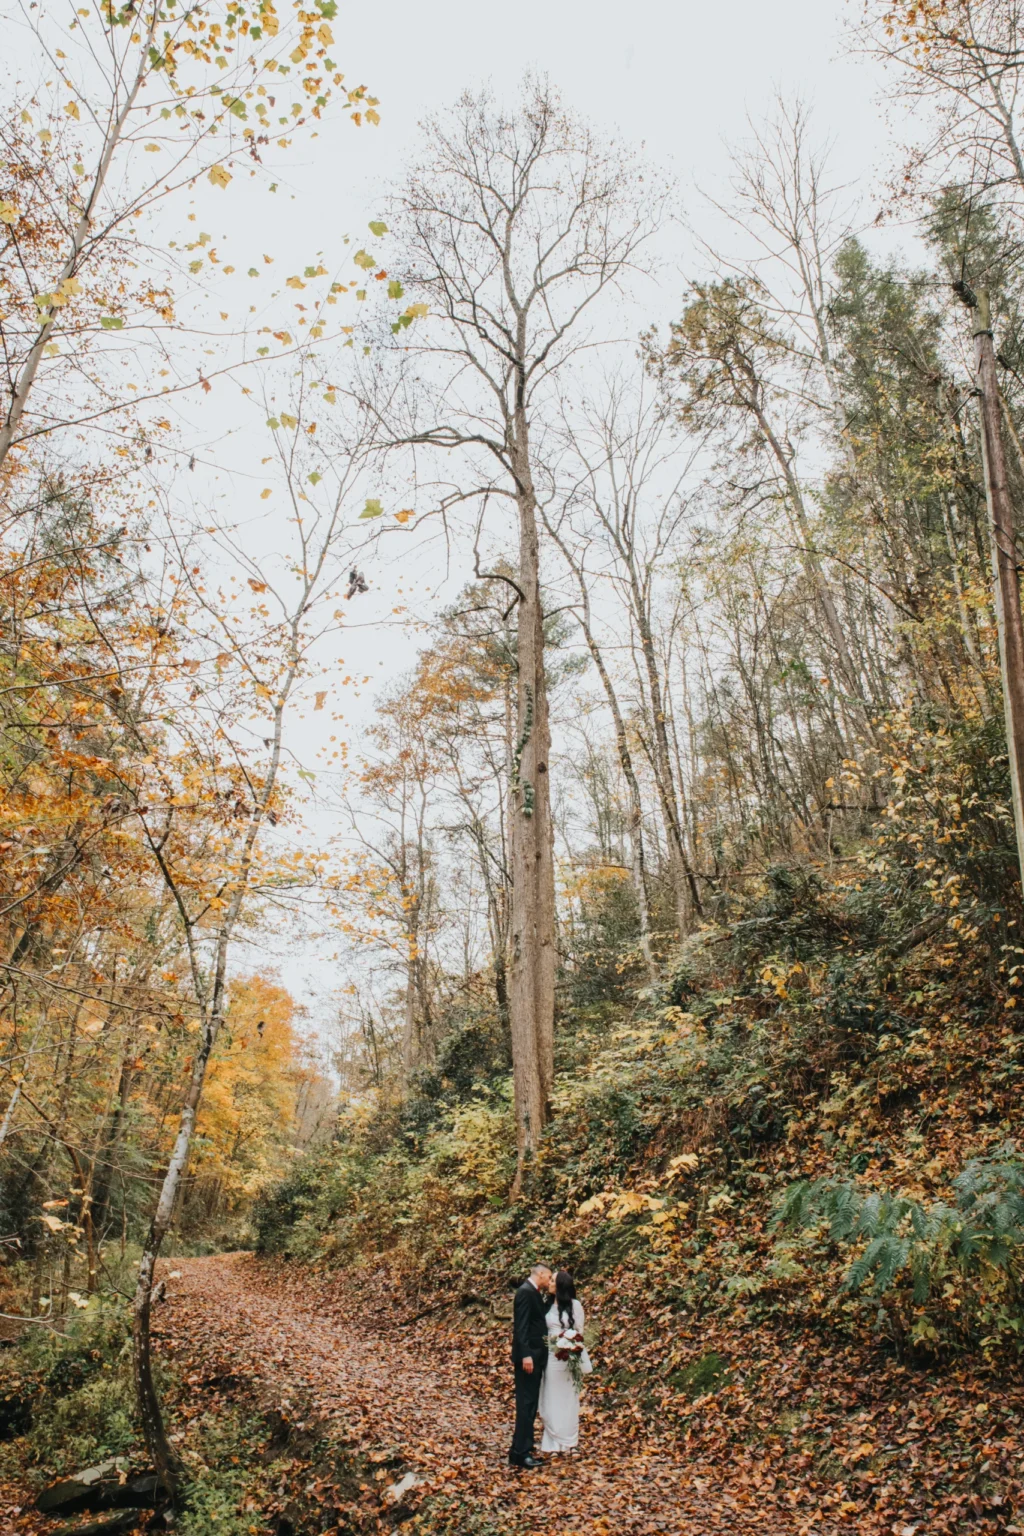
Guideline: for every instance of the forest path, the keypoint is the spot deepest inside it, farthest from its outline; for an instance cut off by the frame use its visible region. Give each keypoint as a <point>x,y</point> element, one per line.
<point>309,1349</point>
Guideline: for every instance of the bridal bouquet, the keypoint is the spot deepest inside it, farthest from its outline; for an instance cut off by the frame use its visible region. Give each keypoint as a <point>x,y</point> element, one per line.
<point>568,1345</point>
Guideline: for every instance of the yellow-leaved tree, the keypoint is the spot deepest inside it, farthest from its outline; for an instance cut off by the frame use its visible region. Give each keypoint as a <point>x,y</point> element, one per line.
<point>247,1128</point>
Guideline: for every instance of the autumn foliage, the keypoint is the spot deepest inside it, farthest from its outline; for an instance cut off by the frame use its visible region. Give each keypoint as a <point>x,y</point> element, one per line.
<point>665,918</point>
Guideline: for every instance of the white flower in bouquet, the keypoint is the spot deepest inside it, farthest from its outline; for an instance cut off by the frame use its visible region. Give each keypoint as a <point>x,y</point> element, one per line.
<point>568,1345</point>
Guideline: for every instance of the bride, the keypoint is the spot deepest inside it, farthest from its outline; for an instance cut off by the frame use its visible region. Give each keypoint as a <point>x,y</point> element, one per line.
<point>559,1402</point>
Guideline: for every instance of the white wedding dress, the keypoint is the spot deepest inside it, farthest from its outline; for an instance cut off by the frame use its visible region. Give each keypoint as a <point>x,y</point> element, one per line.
<point>559,1405</point>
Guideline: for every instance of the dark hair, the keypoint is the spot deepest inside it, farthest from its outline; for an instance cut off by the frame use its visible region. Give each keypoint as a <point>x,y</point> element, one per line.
<point>565,1295</point>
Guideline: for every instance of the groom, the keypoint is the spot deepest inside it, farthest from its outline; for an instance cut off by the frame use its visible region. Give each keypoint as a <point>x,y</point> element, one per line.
<point>529,1357</point>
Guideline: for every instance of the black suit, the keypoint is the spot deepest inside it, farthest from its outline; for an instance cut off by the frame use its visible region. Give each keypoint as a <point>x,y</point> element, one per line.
<point>529,1340</point>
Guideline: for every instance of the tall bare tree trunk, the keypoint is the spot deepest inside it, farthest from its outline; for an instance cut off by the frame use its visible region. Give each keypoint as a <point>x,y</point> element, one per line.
<point>980,690</point>
<point>412,1043</point>
<point>638,860</point>
<point>684,880</point>
<point>1005,569</point>
<point>512,225</point>
<point>532,970</point>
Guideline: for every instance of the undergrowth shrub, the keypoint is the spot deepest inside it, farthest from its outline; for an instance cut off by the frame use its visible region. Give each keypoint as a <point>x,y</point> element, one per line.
<point>471,1160</point>
<point>349,1202</point>
<point>956,1266</point>
<point>230,1479</point>
<point>76,1390</point>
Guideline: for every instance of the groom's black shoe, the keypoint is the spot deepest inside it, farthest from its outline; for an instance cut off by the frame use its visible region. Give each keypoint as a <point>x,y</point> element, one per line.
<point>525,1463</point>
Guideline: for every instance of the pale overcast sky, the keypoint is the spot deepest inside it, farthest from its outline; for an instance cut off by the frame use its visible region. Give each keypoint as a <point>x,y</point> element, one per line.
<point>678,79</point>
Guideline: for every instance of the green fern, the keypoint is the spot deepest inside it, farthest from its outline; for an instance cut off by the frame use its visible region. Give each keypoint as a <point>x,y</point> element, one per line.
<point>985,1229</point>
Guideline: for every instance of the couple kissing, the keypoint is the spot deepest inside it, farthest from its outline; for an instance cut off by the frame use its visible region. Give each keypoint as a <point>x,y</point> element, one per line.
<point>549,1359</point>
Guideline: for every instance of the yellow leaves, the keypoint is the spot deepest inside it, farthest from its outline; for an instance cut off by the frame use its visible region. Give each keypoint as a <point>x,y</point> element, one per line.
<point>364,260</point>
<point>320,698</point>
<point>152,149</point>
<point>9,212</point>
<point>686,1162</point>
<point>630,1202</point>
<point>68,289</point>
<point>289,421</point>
<point>257,586</point>
<point>265,493</point>
<point>618,1204</point>
<point>72,111</point>
<point>53,1223</point>
<point>418,311</point>
<point>325,35</point>
<point>218,176</point>
<point>294,282</point>
<point>779,976</point>
<point>405,516</point>
<point>246,1123</point>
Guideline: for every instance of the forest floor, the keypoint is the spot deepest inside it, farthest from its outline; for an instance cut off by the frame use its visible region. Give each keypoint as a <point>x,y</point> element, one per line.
<point>402,1396</point>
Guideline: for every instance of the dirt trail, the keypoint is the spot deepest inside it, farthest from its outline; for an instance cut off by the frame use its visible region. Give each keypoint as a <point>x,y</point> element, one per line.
<point>303,1343</point>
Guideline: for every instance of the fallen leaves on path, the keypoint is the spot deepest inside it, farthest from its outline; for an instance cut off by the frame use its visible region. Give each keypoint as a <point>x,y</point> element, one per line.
<point>439,1404</point>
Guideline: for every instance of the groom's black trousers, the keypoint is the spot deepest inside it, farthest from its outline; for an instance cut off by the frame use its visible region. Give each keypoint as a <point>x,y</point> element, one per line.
<point>527,1398</point>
